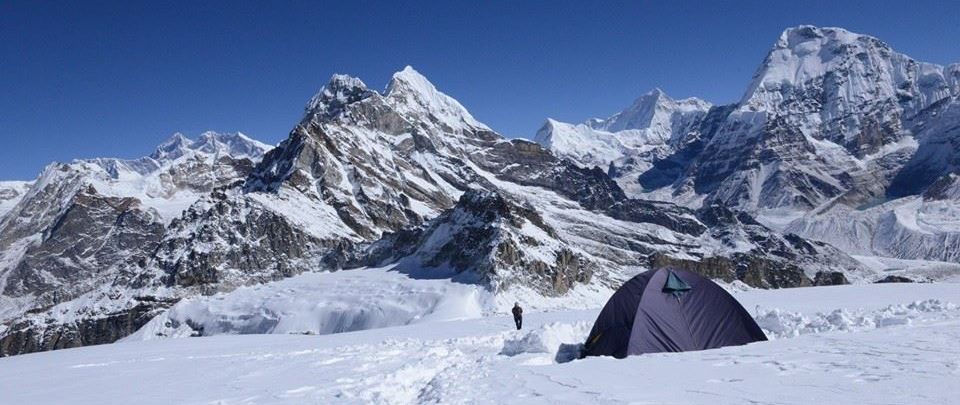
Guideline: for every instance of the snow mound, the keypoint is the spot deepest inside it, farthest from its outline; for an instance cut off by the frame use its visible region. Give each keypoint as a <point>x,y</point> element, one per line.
<point>733,287</point>
<point>558,339</point>
<point>779,324</point>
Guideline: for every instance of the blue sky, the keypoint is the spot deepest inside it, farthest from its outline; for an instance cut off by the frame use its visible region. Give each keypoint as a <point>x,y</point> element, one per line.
<point>93,78</point>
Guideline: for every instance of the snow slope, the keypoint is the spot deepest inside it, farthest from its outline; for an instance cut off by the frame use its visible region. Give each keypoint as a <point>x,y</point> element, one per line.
<point>907,355</point>
<point>10,194</point>
<point>910,227</point>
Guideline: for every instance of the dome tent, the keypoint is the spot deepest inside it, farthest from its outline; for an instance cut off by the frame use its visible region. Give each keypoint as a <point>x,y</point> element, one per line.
<point>669,310</point>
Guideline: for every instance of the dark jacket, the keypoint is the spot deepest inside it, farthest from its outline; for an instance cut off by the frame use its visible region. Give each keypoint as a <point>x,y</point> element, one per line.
<point>517,312</point>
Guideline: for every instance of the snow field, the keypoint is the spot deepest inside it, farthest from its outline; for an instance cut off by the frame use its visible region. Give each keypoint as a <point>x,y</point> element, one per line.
<point>880,343</point>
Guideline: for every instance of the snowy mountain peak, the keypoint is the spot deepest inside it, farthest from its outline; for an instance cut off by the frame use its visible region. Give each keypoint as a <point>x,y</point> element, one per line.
<point>233,144</point>
<point>410,79</point>
<point>579,142</point>
<point>851,70</point>
<point>653,125</point>
<point>408,94</point>
<point>547,129</point>
<point>333,97</point>
<point>172,148</point>
<point>652,97</point>
<point>413,95</point>
<point>794,36</point>
<point>653,109</point>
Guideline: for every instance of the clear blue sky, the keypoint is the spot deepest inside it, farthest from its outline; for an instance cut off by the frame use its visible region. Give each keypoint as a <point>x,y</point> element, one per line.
<point>92,78</point>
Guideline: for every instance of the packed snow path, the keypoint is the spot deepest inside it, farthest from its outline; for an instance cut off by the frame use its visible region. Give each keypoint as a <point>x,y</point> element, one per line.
<point>885,344</point>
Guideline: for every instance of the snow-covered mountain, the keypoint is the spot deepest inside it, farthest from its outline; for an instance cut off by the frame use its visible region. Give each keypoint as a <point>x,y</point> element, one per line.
<point>832,124</point>
<point>179,171</point>
<point>652,128</point>
<point>404,179</point>
<point>10,194</point>
<point>79,224</point>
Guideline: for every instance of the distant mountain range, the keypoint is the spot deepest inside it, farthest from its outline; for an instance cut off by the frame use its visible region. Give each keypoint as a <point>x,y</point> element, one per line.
<point>838,139</point>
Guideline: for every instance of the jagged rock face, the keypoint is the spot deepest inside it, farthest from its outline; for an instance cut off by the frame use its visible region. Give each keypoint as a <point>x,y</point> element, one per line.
<point>779,168</point>
<point>382,161</point>
<point>370,192</point>
<point>762,254</point>
<point>827,115</point>
<point>41,205</point>
<point>832,124</point>
<point>227,240</point>
<point>28,337</point>
<point>529,164</point>
<point>855,88</point>
<point>87,247</point>
<point>65,237</point>
<point>918,221</point>
<point>79,221</point>
<point>93,234</point>
<point>89,228</point>
<point>489,240</point>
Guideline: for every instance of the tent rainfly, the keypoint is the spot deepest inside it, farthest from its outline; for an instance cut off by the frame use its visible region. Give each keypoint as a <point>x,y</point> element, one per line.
<point>670,310</point>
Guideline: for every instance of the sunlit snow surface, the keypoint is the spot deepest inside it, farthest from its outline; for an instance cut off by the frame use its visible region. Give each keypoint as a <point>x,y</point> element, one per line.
<point>881,343</point>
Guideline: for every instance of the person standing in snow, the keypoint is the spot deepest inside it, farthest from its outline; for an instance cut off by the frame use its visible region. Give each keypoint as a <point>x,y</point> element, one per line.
<point>517,314</point>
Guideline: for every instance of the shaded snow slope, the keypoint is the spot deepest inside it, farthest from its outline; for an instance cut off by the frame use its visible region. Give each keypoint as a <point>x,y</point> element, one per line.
<point>911,227</point>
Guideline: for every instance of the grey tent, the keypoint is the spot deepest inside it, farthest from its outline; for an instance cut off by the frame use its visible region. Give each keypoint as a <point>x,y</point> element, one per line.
<point>670,310</point>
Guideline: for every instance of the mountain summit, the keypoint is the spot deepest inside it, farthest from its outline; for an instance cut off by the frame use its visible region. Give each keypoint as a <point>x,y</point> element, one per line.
<point>413,95</point>
<point>655,111</point>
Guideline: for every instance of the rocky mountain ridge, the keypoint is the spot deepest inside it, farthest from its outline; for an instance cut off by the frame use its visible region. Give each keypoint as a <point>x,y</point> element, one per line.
<point>832,123</point>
